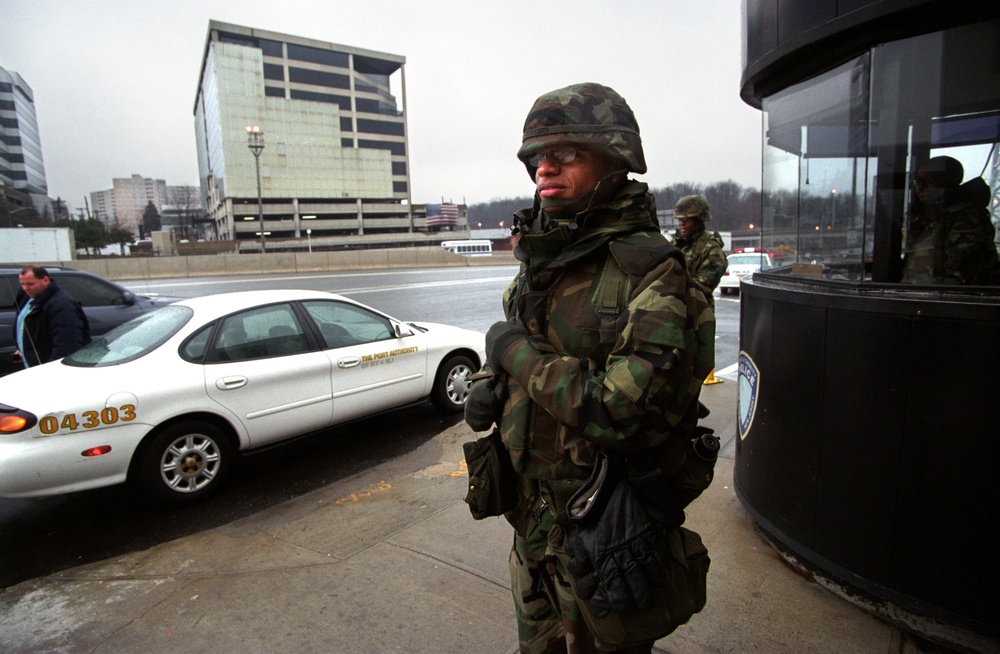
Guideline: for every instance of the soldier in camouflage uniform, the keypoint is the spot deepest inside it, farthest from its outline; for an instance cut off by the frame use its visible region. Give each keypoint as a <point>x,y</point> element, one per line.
<point>704,252</point>
<point>950,237</point>
<point>606,346</point>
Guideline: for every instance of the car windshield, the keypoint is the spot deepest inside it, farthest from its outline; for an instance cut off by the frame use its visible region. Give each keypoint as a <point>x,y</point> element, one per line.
<point>134,339</point>
<point>747,260</point>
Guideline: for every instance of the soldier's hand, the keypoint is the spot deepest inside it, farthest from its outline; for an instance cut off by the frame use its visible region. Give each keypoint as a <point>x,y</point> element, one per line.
<point>500,337</point>
<point>484,405</point>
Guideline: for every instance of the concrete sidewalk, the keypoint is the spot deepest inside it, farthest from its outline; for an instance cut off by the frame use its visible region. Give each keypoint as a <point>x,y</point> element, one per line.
<point>391,561</point>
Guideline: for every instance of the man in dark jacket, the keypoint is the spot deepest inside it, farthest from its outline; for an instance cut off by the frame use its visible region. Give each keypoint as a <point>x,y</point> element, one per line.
<point>50,324</point>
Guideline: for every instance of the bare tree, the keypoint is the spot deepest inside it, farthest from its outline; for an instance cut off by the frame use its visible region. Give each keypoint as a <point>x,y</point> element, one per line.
<point>188,203</point>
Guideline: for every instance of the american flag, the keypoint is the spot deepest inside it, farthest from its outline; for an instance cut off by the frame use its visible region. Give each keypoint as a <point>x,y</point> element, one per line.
<point>442,215</point>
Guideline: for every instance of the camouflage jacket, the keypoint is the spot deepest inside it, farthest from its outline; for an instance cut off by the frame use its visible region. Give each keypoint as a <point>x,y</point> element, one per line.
<point>954,246</point>
<point>705,257</point>
<point>569,393</point>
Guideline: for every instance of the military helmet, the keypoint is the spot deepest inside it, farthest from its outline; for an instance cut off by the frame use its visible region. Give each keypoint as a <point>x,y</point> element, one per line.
<point>587,115</point>
<point>947,172</point>
<point>693,206</point>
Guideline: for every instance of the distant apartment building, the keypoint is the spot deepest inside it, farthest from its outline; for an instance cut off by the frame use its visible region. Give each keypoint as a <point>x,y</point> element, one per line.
<point>102,206</point>
<point>335,158</point>
<point>132,196</point>
<point>125,204</point>
<point>22,169</point>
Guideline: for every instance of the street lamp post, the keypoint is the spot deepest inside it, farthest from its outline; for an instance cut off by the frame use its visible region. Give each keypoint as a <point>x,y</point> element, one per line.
<point>10,214</point>
<point>833,214</point>
<point>256,144</point>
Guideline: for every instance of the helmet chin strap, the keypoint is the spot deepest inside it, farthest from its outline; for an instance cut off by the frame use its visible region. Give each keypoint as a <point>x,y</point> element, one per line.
<point>568,209</point>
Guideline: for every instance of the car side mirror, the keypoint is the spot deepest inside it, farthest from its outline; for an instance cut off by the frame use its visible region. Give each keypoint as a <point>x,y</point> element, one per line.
<point>401,330</point>
<point>128,297</point>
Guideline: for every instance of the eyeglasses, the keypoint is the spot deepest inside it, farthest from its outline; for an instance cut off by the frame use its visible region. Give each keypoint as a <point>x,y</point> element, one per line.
<point>924,183</point>
<point>561,157</point>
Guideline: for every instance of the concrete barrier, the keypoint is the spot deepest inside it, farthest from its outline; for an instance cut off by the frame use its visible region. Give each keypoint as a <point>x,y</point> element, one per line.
<point>121,268</point>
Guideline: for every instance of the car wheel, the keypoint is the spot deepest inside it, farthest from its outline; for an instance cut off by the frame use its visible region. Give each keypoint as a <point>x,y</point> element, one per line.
<point>451,387</point>
<point>185,462</point>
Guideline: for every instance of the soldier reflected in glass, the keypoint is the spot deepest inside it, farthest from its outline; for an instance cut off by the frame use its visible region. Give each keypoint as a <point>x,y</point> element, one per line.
<point>950,238</point>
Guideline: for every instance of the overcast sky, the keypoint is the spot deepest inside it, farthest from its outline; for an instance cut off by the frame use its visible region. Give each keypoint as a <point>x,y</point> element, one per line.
<point>115,81</point>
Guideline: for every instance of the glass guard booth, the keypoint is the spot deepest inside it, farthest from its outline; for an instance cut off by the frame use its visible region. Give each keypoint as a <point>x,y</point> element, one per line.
<point>869,373</point>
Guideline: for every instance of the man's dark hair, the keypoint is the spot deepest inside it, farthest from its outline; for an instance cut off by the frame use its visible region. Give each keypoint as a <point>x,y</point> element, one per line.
<point>38,271</point>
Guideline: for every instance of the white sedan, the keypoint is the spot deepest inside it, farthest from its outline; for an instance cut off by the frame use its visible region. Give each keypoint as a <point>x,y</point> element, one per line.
<point>166,400</point>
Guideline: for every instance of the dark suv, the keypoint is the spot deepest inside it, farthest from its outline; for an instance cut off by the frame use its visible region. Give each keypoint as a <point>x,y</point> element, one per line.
<point>106,304</point>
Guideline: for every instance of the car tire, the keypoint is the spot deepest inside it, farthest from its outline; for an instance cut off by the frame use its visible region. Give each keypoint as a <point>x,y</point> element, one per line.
<point>451,386</point>
<point>185,463</point>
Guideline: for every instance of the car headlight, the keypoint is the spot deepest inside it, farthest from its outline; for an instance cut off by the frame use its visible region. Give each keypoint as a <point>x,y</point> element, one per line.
<point>14,420</point>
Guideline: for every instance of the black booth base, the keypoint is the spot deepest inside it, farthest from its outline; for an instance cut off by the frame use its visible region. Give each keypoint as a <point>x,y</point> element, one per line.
<point>906,613</point>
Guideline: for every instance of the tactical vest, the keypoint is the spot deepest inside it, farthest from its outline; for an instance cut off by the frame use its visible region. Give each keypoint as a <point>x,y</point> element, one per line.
<point>540,447</point>
<point>609,297</point>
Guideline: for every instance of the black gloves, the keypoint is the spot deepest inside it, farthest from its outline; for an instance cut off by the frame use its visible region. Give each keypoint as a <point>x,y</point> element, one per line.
<point>501,336</point>
<point>619,552</point>
<point>484,405</point>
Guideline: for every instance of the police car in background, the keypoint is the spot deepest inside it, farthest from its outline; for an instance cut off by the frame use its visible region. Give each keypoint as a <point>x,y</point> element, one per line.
<point>743,262</point>
<point>106,304</point>
<point>166,400</point>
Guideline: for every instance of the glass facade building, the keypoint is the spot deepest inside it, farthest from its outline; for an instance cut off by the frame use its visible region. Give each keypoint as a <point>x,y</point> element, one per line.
<point>335,158</point>
<point>21,165</point>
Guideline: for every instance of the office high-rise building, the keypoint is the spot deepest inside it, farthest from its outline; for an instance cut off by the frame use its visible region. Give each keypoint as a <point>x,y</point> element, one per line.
<point>335,157</point>
<point>22,170</point>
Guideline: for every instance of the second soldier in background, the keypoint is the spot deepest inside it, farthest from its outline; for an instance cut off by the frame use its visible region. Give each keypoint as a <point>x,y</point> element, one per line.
<point>704,251</point>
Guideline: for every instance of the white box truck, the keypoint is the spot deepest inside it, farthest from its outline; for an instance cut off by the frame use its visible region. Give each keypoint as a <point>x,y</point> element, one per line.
<point>37,245</point>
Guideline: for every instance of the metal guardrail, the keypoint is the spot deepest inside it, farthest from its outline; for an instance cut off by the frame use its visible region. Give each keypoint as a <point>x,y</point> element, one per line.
<point>120,268</point>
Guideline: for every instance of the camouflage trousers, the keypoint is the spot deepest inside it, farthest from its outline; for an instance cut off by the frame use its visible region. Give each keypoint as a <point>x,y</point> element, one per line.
<point>549,619</point>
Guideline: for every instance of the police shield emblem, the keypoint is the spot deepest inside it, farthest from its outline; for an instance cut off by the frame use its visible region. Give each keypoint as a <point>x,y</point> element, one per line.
<point>746,401</point>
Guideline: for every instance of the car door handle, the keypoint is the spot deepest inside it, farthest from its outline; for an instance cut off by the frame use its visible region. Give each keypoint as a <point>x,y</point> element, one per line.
<point>348,362</point>
<point>230,383</point>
